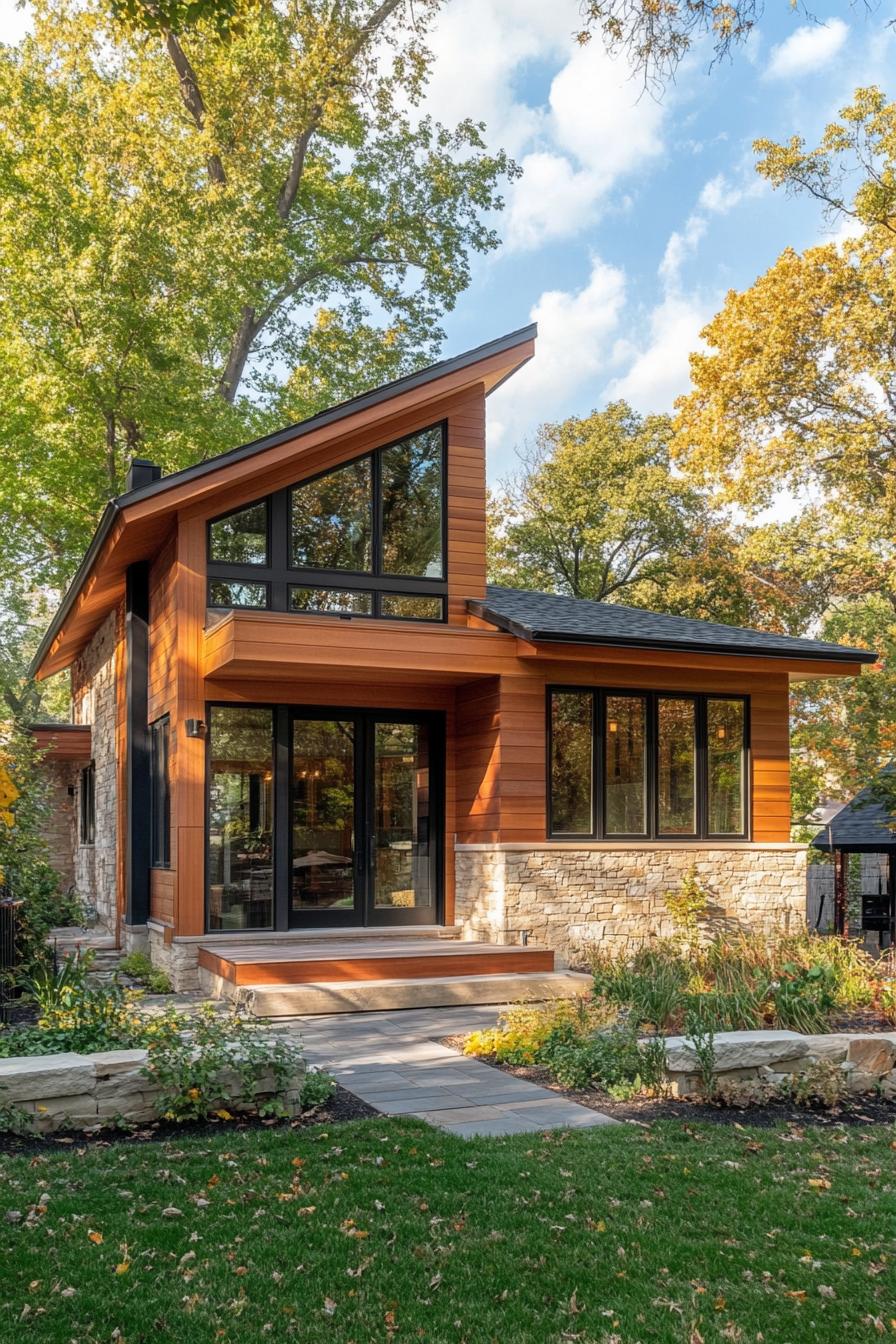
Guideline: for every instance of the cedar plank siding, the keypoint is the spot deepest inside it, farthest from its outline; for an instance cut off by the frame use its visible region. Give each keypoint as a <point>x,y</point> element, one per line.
<point>163,700</point>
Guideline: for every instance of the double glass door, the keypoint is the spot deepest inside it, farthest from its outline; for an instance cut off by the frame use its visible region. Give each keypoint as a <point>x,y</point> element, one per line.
<point>364,813</point>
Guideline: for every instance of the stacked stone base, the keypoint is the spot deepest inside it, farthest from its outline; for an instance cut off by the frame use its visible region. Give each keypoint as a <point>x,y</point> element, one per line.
<point>770,1058</point>
<point>49,1093</point>
<point>179,961</point>
<point>567,896</point>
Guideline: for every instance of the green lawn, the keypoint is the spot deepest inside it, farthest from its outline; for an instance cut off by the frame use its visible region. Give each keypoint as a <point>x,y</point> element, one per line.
<point>387,1231</point>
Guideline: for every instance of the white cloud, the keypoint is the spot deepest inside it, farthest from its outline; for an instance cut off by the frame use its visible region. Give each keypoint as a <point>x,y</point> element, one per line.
<point>807,50</point>
<point>574,139</point>
<point>679,247</point>
<point>660,371</point>
<point>553,199</point>
<point>576,332</point>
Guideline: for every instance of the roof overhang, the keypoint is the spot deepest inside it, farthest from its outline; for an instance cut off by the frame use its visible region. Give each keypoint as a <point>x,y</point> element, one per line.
<point>134,525</point>
<point>801,664</point>
<point>63,741</point>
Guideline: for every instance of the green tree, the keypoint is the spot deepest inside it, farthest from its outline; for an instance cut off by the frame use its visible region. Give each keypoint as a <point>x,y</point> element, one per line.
<point>203,235</point>
<point>797,393</point>
<point>597,512</point>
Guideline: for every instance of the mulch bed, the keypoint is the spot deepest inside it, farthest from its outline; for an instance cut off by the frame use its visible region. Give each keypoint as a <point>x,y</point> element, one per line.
<point>341,1107</point>
<point>865,1110</point>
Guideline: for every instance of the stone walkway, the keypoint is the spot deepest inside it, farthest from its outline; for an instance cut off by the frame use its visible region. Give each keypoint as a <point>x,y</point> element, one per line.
<point>394,1062</point>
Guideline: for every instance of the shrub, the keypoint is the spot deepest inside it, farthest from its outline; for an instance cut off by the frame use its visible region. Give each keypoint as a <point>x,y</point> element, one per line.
<point>804,999</point>
<point>139,967</point>
<point>524,1029</point>
<point>888,1001</point>
<point>686,905</point>
<point>612,1059</point>
<point>700,1032</point>
<point>317,1088</point>
<point>822,1083</point>
<point>200,1062</point>
<point>650,985</point>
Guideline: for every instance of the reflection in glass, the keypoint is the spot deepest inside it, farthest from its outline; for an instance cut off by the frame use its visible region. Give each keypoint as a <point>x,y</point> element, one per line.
<point>323,814</point>
<point>332,519</point>
<point>625,760</point>
<point>676,766</point>
<point>330,600</point>
<point>412,606</point>
<point>232,593</point>
<point>725,766</point>
<point>240,815</point>
<point>241,538</point>
<point>402,874</point>
<point>412,506</point>
<point>571,762</point>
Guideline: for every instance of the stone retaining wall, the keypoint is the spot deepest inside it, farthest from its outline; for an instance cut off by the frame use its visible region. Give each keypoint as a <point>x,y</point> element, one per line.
<point>71,1091</point>
<point>865,1063</point>
<point>566,896</point>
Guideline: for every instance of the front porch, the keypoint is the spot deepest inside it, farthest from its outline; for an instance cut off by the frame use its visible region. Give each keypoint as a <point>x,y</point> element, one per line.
<point>331,971</point>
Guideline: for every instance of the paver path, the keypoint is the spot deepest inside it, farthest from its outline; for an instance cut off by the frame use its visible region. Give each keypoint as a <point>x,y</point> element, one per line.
<point>394,1062</point>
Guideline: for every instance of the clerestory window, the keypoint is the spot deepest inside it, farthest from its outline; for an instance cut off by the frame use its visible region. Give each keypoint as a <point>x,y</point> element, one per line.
<point>364,539</point>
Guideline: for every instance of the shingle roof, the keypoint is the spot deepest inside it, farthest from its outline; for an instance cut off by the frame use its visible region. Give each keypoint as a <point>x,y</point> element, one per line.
<point>864,824</point>
<point>573,620</point>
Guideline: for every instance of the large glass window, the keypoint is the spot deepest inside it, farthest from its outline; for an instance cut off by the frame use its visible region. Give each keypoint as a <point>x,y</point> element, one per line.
<point>364,539</point>
<point>332,520</point>
<point>725,766</point>
<point>572,728</point>
<point>669,766</point>
<point>625,765</point>
<point>87,805</point>
<point>241,538</point>
<point>240,818</point>
<point>160,793</point>
<point>411,486</point>
<point>676,766</point>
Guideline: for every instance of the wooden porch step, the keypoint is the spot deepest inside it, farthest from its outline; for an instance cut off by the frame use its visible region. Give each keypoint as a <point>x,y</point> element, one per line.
<point>340,962</point>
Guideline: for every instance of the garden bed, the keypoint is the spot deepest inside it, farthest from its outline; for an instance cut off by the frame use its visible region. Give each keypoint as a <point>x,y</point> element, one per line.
<point>643,1109</point>
<point>339,1108</point>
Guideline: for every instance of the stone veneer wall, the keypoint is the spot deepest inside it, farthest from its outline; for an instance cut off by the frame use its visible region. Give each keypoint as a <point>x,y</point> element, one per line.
<point>94,702</point>
<point>566,896</point>
<point>60,825</point>
<point>179,960</point>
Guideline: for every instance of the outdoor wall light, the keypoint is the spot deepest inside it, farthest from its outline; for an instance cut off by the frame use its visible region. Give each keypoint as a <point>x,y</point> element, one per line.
<point>195,727</point>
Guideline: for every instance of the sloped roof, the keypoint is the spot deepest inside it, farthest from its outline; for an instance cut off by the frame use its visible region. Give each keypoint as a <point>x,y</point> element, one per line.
<point>491,363</point>
<point>540,617</point>
<point>865,824</point>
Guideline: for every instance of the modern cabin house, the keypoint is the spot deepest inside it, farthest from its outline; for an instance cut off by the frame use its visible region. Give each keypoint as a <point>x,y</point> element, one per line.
<point>311,746</point>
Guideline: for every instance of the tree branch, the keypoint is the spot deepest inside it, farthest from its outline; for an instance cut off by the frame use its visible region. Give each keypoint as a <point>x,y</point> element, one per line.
<point>193,100</point>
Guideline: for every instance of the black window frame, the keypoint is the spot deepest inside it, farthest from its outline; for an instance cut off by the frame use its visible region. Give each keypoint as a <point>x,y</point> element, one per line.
<point>87,804</point>
<point>160,794</point>
<point>279,575</point>
<point>652,834</point>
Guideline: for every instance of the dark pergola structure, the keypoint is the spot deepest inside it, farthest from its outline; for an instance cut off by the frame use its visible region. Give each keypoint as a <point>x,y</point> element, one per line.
<point>866,825</point>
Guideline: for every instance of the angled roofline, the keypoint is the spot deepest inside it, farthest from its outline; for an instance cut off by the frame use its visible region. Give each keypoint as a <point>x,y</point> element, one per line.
<point>332,415</point>
<point>823,653</point>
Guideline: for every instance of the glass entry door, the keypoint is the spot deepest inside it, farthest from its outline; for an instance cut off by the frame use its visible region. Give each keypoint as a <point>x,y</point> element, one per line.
<point>365,818</point>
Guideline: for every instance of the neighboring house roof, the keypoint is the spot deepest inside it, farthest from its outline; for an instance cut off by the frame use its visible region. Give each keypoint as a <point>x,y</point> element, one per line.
<point>491,364</point>
<point>865,824</point>
<point>540,617</point>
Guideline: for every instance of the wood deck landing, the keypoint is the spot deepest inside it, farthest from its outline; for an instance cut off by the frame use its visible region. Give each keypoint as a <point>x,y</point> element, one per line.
<point>345,960</point>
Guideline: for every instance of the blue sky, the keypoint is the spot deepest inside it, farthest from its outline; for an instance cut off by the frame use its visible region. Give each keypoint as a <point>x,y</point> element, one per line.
<point>633,216</point>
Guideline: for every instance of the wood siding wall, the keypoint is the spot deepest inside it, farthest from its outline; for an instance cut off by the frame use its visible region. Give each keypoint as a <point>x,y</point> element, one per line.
<point>163,700</point>
<point>502,744</point>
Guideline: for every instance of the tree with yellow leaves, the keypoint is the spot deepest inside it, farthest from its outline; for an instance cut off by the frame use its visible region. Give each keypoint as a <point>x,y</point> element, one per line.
<point>797,393</point>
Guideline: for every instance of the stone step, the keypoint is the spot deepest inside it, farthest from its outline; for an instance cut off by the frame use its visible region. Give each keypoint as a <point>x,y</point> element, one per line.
<point>370,996</point>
